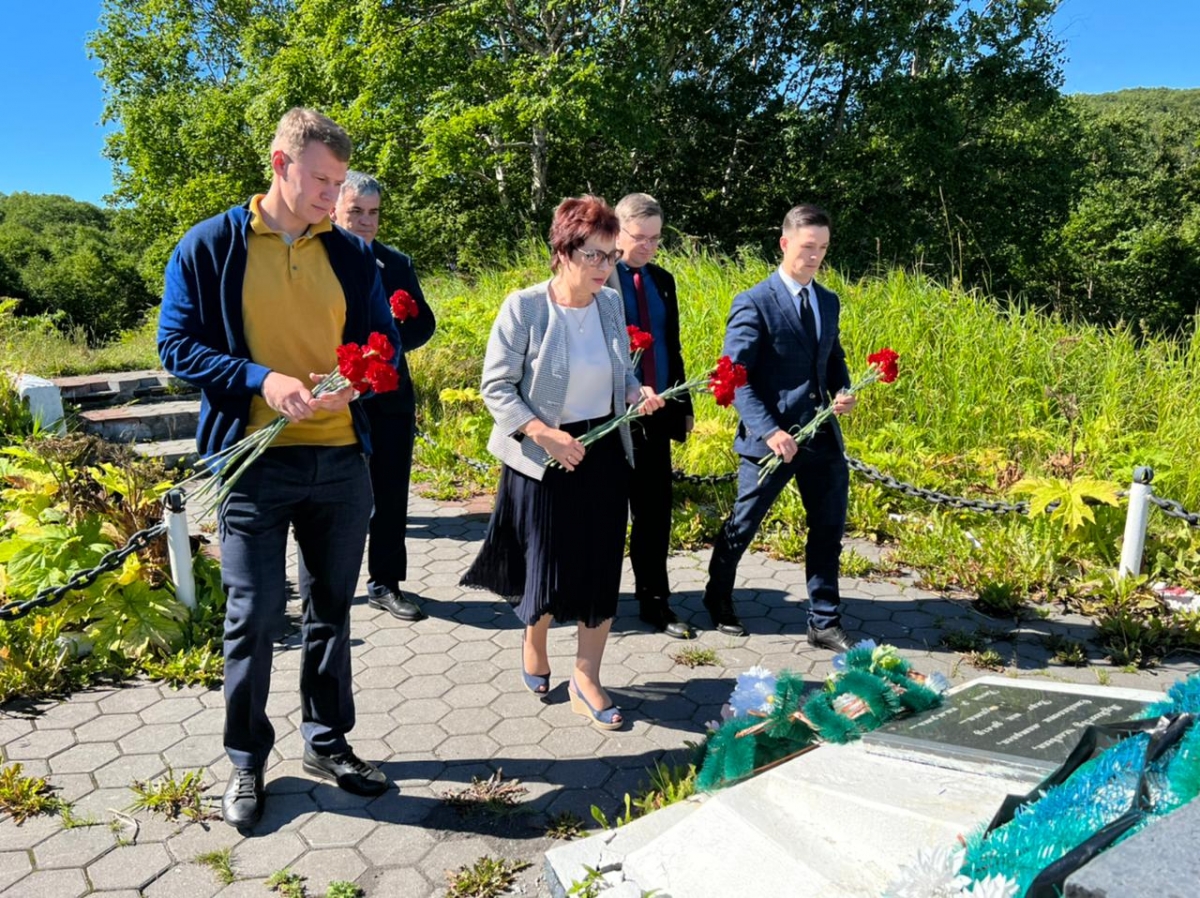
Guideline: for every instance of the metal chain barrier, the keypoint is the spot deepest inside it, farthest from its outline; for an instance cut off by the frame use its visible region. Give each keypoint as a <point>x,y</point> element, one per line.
<point>1173,509</point>
<point>111,561</point>
<point>888,482</point>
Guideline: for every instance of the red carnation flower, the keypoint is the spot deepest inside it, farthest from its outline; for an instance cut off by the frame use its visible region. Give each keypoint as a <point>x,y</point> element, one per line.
<point>381,376</point>
<point>725,380</point>
<point>404,306</point>
<point>379,346</point>
<point>885,360</point>
<point>639,340</point>
<point>352,365</point>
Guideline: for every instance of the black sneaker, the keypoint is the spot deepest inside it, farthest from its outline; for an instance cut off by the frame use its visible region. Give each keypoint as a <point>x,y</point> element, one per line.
<point>394,602</point>
<point>242,803</point>
<point>349,771</point>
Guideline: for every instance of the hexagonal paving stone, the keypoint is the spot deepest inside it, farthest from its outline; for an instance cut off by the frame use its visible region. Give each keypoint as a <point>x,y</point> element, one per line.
<point>192,880</point>
<point>376,701</point>
<point>67,714</point>
<point>327,865</point>
<point>29,833</point>
<point>481,650</point>
<point>129,867</point>
<point>260,856</point>
<point>425,686</point>
<point>83,758</point>
<point>469,721</point>
<point>13,865</point>
<point>50,884</point>
<point>471,695</point>
<point>38,745</point>
<point>463,748</point>
<point>421,665</point>
<point>210,721</point>
<point>397,845</point>
<point>131,699</point>
<point>127,768</point>
<point>397,881</point>
<point>194,751</point>
<point>172,710</point>
<point>76,847</point>
<point>388,676</point>
<point>520,731</point>
<point>196,839</point>
<point>107,728</point>
<point>573,742</point>
<point>451,854</point>
<point>338,830</point>
<point>423,710</point>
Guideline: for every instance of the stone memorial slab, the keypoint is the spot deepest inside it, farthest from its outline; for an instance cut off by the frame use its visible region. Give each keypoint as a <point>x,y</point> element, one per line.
<point>1020,725</point>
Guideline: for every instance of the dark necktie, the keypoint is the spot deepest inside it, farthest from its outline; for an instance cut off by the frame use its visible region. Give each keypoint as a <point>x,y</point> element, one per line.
<point>648,369</point>
<point>807,318</point>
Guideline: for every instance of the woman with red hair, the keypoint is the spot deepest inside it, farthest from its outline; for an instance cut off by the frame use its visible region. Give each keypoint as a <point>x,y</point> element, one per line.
<point>557,365</point>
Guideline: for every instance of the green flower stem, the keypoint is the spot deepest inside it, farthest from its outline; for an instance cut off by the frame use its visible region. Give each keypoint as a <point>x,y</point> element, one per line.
<point>635,411</point>
<point>213,489</point>
<point>770,462</point>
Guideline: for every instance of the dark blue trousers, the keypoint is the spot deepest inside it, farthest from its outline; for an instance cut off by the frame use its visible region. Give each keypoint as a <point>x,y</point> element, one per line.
<point>325,493</point>
<point>392,434</point>
<point>823,479</point>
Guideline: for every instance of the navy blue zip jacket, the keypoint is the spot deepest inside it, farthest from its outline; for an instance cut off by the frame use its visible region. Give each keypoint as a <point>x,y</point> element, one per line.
<point>201,337</point>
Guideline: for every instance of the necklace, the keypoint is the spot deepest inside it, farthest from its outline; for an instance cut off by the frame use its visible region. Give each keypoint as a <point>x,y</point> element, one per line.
<point>579,319</point>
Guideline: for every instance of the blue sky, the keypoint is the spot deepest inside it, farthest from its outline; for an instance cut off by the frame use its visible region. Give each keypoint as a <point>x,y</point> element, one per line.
<point>52,100</point>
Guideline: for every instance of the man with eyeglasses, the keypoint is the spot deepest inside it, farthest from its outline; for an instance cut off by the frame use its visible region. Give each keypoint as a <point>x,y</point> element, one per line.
<point>392,415</point>
<point>651,305</point>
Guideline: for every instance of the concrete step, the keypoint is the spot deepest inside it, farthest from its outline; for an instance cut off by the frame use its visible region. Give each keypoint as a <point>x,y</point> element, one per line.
<point>144,422</point>
<point>835,822</point>
<point>179,453</point>
<point>119,386</point>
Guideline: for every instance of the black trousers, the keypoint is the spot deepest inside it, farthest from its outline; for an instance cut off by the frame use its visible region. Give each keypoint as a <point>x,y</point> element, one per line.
<point>325,494</point>
<point>392,435</point>
<point>650,506</point>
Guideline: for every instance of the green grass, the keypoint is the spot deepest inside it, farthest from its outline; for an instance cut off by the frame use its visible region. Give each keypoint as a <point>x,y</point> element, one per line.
<point>34,345</point>
<point>488,877</point>
<point>22,797</point>
<point>694,656</point>
<point>171,797</point>
<point>220,862</point>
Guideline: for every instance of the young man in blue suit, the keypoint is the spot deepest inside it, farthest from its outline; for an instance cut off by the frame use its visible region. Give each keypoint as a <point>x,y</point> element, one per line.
<point>785,331</point>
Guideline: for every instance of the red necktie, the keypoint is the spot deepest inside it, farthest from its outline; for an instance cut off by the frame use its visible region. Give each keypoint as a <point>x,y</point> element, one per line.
<point>648,368</point>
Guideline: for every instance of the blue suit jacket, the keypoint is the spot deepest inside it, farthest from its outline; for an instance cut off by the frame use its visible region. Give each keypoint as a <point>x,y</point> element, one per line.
<point>765,334</point>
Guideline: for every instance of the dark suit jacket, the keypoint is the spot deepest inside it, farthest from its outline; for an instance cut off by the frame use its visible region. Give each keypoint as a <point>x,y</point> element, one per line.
<point>398,273</point>
<point>764,333</point>
<point>680,409</point>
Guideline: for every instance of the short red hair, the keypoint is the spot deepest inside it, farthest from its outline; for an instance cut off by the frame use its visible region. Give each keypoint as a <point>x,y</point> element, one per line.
<point>575,220</point>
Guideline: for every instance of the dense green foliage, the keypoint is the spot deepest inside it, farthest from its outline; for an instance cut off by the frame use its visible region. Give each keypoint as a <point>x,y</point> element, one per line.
<point>68,260</point>
<point>65,502</point>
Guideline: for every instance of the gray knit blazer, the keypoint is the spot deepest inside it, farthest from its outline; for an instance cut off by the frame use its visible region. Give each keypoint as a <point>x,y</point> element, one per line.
<point>526,369</point>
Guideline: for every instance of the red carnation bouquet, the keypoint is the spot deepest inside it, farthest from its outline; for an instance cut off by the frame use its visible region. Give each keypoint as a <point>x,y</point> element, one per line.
<point>722,381</point>
<point>639,342</point>
<point>882,366</point>
<point>366,368</point>
<point>404,306</point>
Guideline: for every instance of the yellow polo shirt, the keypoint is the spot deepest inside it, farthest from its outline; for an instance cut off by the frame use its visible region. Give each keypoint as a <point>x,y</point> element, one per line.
<point>294,313</point>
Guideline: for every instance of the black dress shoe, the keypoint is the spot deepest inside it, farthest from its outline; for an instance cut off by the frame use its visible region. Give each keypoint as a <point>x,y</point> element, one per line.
<point>832,638</point>
<point>394,602</point>
<point>242,804</point>
<point>349,771</point>
<point>723,618</point>
<point>658,614</point>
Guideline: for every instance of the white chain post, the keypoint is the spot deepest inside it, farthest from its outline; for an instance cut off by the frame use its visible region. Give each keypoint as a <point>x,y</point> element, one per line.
<point>180,548</point>
<point>1134,543</point>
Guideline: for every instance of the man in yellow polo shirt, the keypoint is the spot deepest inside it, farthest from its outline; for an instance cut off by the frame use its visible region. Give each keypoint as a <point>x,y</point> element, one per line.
<point>257,301</point>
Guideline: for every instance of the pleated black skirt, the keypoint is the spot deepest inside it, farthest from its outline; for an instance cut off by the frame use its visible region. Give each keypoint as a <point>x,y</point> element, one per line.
<point>555,546</point>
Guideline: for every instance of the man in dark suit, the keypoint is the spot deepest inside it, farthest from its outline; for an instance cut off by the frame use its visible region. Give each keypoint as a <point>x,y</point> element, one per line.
<point>785,331</point>
<point>392,415</point>
<point>651,304</point>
